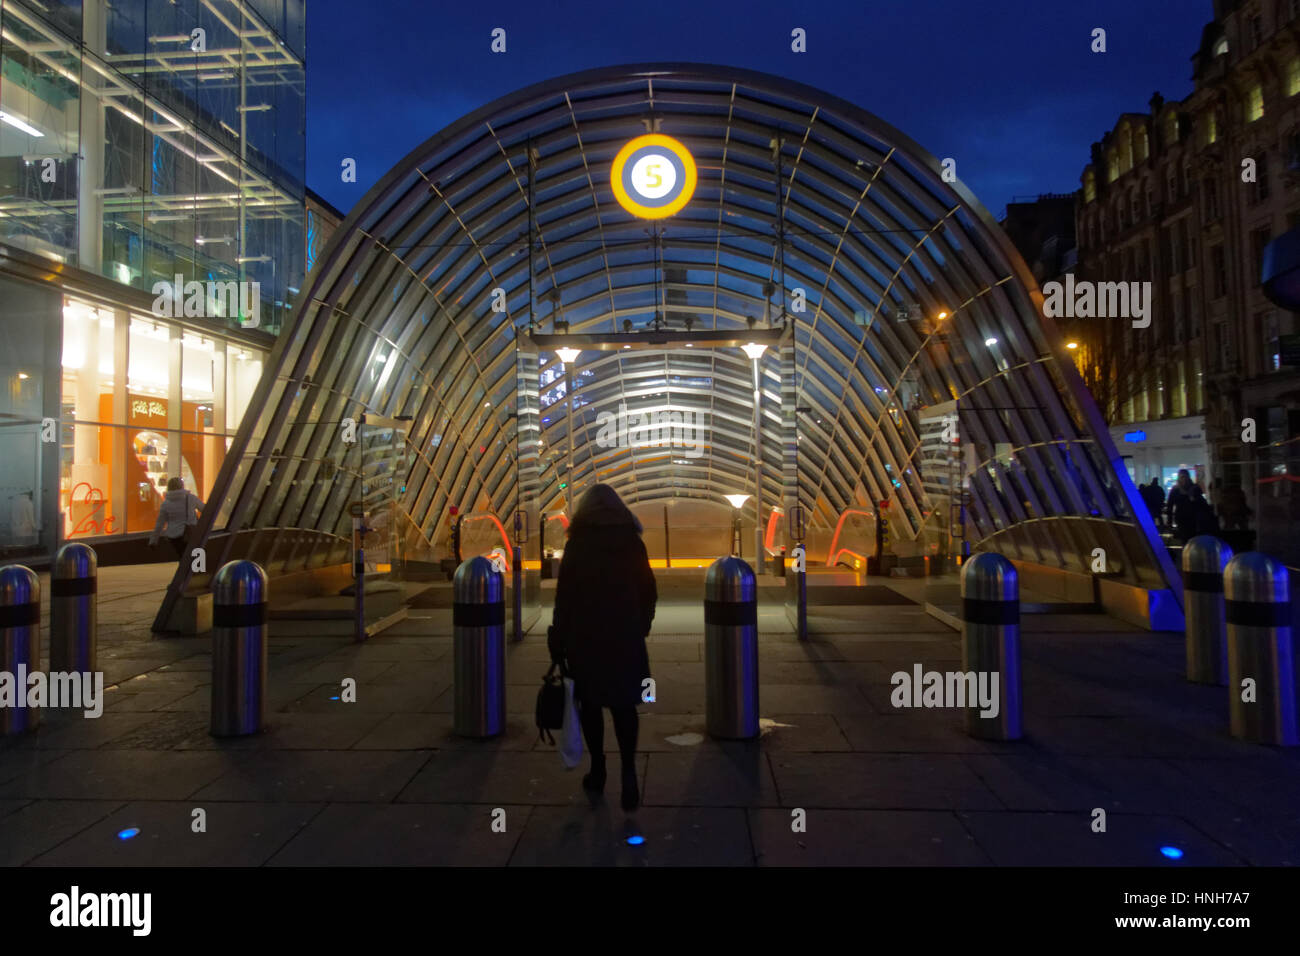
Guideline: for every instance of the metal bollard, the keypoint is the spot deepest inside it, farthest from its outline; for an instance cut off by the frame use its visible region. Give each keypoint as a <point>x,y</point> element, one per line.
<point>1204,558</point>
<point>20,644</point>
<point>239,645</point>
<point>479,672</point>
<point>731,650</point>
<point>1258,611</point>
<point>74,621</point>
<point>990,641</point>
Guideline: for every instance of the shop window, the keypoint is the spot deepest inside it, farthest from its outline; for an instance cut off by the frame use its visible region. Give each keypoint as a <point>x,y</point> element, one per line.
<point>89,492</point>
<point>243,370</point>
<point>201,445</point>
<point>24,508</point>
<point>153,452</point>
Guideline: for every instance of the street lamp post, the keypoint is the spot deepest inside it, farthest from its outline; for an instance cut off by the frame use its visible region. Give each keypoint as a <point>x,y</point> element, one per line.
<point>737,502</point>
<point>755,352</point>
<point>567,357</point>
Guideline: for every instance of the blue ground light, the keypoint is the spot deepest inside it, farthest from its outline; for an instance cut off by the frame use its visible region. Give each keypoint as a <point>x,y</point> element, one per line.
<point>128,833</point>
<point>335,697</point>
<point>636,840</point>
<point>1172,852</point>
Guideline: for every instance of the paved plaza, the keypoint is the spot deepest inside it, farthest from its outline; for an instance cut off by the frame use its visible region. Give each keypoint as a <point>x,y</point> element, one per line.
<point>1111,724</point>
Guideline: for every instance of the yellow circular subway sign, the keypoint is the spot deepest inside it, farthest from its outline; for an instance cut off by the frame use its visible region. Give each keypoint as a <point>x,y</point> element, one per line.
<point>653,176</point>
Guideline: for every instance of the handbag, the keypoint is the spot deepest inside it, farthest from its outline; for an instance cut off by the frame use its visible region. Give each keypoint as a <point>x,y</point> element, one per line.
<point>550,705</point>
<point>571,732</point>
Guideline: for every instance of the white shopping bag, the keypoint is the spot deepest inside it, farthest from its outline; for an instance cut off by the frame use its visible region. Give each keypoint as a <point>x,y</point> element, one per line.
<point>571,732</point>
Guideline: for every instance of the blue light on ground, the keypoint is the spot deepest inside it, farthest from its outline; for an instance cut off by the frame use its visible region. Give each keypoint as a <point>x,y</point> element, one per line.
<point>635,840</point>
<point>1172,852</point>
<point>335,697</point>
<point>128,833</point>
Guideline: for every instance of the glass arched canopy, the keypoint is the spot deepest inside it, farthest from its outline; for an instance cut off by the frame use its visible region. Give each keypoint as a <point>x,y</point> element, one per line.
<point>902,302</point>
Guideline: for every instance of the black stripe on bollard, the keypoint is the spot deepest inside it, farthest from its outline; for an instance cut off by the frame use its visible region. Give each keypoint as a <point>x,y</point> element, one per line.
<point>1209,582</point>
<point>20,615</point>
<point>731,613</point>
<point>977,611</point>
<point>1252,614</point>
<point>72,587</point>
<point>238,615</point>
<point>478,615</point>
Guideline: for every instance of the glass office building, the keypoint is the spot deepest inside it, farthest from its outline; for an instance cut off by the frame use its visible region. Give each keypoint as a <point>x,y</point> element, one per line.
<point>140,143</point>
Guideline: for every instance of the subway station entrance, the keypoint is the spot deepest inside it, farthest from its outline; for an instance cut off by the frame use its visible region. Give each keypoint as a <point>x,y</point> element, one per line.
<point>827,327</point>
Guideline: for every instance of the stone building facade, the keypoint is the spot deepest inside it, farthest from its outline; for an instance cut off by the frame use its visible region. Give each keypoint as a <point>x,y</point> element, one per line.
<point>1186,197</point>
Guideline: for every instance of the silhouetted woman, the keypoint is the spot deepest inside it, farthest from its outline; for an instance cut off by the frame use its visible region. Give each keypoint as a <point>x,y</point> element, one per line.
<point>604,606</point>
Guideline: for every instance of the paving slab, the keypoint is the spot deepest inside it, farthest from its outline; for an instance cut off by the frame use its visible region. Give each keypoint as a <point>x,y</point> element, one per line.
<point>309,776</point>
<point>1050,839</point>
<point>117,775</point>
<point>738,778</point>
<point>880,781</point>
<point>864,838</point>
<point>500,777</point>
<point>436,732</point>
<point>915,731</point>
<point>42,825</point>
<point>330,731</point>
<point>405,834</point>
<point>68,731</point>
<point>237,834</point>
<point>672,836</point>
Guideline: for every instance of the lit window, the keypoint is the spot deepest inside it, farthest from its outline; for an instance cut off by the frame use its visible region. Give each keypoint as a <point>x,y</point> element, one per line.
<point>1211,128</point>
<point>1293,76</point>
<point>1254,103</point>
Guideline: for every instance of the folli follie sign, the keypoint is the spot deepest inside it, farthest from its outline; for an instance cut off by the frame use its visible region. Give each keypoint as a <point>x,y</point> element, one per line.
<point>144,411</point>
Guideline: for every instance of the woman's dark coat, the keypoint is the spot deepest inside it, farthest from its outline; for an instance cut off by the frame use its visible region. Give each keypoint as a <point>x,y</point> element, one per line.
<point>604,606</point>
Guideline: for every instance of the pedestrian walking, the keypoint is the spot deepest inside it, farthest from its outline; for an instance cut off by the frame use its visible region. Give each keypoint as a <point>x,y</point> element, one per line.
<point>604,606</point>
<point>177,514</point>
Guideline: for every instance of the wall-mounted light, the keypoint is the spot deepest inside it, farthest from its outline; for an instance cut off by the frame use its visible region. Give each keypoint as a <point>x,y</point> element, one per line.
<point>1071,345</point>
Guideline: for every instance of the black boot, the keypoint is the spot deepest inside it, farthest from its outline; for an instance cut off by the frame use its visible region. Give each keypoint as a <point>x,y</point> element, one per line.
<point>596,779</point>
<point>631,795</point>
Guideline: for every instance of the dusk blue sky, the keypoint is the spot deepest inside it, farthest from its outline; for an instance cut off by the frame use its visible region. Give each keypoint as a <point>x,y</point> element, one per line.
<point>1010,88</point>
